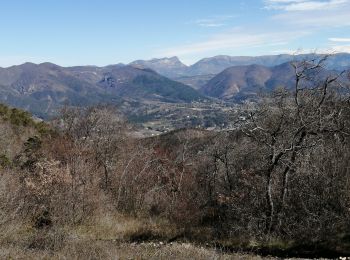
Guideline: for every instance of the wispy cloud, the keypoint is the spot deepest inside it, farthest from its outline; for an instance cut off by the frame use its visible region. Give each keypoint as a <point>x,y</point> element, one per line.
<point>341,48</point>
<point>208,23</point>
<point>295,52</point>
<point>233,40</point>
<point>292,25</point>
<point>317,18</point>
<point>326,50</point>
<point>305,51</point>
<point>339,39</point>
<point>303,5</point>
<point>215,21</point>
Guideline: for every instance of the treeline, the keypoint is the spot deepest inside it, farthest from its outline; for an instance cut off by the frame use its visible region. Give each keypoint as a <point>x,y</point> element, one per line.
<point>282,175</point>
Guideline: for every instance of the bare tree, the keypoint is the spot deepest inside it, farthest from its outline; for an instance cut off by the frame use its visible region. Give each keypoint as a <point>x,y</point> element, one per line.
<point>294,121</point>
<point>101,129</point>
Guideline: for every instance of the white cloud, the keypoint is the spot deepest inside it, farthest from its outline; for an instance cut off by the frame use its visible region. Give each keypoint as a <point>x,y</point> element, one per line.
<point>208,23</point>
<point>339,39</point>
<point>284,1</point>
<point>312,15</point>
<point>215,21</point>
<point>303,51</point>
<point>284,51</point>
<point>342,48</point>
<point>285,29</point>
<point>319,19</point>
<point>325,50</point>
<point>232,41</point>
<point>303,5</point>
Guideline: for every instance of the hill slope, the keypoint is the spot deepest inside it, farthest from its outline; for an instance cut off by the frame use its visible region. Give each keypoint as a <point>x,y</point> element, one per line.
<point>42,89</point>
<point>241,82</point>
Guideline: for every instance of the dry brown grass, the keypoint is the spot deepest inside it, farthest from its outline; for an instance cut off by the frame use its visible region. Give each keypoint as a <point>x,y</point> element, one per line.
<point>111,250</point>
<point>119,227</point>
<point>107,237</point>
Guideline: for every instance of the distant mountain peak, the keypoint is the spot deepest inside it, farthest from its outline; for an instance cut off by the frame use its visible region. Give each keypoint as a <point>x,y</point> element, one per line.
<point>171,66</point>
<point>175,61</point>
<point>49,65</point>
<point>26,65</point>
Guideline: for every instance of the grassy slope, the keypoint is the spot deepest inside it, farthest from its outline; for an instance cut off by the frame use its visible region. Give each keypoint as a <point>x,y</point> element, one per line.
<point>108,237</point>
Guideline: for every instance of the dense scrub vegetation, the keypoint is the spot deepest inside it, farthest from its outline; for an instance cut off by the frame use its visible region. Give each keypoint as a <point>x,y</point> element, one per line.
<point>281,180</point>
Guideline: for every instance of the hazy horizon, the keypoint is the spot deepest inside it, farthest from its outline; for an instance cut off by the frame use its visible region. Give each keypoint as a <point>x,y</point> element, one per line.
<point>187,64</point>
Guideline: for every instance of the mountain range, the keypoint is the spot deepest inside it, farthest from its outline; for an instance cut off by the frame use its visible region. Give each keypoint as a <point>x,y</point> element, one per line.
<point>174,68</point>
<point>44,88</point>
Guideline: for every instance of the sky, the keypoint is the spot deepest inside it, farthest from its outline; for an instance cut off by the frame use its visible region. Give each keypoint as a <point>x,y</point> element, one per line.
<point>103,32</point>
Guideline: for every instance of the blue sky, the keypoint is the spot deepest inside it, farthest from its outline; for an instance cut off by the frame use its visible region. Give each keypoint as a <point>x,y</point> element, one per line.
<point>102,32</point>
